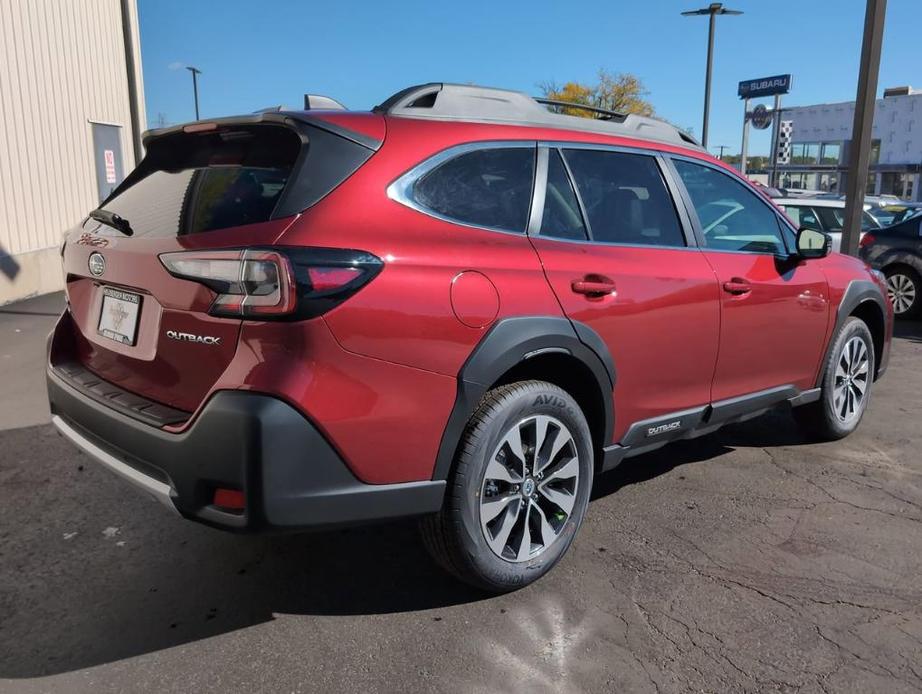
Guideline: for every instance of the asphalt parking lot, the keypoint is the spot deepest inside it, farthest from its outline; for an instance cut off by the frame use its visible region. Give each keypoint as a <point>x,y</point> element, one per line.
<point>746,560</point>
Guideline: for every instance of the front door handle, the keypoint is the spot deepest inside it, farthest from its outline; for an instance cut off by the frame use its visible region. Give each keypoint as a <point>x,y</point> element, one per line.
<point>593,286</point>
<point>737,286</point>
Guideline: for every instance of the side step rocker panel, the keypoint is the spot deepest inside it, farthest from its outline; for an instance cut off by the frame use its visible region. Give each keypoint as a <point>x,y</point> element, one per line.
<point>650,434</point>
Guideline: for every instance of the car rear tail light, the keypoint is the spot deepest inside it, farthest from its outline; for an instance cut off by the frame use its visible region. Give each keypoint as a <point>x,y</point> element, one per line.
<point>248,282</point>
<point>866,240</point>
<point>275,283</point>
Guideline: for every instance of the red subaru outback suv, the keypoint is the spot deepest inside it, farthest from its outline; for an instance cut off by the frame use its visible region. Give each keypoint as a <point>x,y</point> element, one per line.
<point>462,306</point>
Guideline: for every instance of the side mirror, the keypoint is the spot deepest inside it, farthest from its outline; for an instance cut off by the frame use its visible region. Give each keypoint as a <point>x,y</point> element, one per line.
<point>812,243</point>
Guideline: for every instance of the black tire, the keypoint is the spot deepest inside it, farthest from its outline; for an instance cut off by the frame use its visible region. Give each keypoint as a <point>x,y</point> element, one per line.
<point>454,536</point>
<point>820,420</point>
<point>893,274</point>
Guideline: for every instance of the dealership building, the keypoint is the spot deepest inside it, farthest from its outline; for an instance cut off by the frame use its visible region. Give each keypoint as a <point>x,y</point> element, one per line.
<point>820,142</point>
<point>71,114</point>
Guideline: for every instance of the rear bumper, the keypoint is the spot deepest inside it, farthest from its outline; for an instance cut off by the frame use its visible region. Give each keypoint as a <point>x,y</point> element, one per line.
<point>290,475</point>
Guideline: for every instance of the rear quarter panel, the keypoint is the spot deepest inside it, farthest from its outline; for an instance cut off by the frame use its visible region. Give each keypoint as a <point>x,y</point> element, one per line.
<point>405,315</point>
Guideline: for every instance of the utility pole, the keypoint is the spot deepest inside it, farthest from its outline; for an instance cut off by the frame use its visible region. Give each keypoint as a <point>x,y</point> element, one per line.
<point>195,73</point>
<point>721,148</point>
<point>865,101</point>
<point>712,10</point>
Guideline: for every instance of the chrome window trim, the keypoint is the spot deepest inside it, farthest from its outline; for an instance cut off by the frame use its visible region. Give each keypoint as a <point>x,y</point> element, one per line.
<point>626,149</point>
<point>401,189</point>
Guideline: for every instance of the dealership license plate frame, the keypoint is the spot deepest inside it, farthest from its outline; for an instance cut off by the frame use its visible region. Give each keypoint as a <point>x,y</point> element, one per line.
<point>109,326</point>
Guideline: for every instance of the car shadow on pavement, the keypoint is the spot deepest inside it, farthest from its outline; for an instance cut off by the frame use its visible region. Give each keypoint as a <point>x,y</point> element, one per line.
<point>194,583</point>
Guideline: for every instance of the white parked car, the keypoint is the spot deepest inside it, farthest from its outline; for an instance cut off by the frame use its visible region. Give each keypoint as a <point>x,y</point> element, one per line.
<point>824,214</point>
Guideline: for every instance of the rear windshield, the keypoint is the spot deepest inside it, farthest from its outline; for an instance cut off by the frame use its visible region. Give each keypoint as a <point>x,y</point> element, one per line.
<point>196,182</point>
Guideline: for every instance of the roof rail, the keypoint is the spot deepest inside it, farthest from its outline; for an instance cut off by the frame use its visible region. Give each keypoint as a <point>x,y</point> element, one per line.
<point>443,101</point>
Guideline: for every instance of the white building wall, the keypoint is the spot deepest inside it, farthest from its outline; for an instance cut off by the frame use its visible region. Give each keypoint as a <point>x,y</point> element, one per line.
<point>897,124</point>
<point>62,65</point>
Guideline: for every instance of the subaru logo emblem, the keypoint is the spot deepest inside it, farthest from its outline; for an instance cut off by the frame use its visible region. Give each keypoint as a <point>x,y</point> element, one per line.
<point>97,264</point>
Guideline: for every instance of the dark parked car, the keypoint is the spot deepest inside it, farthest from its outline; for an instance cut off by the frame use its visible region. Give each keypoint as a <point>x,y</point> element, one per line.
<point>460,306</point>
<point>888,215</point>
<point>897,252</point>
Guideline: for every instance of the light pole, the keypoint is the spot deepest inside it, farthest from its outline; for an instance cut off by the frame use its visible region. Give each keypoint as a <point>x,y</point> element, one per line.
<point>195,73</point>
<point>714,9</point>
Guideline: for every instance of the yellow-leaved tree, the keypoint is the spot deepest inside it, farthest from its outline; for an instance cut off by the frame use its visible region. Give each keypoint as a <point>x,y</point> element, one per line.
<point>619,92</point>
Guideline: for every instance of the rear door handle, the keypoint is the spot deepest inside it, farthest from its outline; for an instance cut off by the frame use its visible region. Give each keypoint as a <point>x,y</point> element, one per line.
<point>593,285</point>
<point>737,286</point>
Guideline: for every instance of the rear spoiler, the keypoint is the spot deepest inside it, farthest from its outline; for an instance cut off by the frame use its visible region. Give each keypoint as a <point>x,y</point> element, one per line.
<point>290,119</point>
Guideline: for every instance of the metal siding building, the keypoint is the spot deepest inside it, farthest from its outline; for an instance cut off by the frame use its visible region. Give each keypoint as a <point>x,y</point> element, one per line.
<point>64,67</point>
<point>821,138</point>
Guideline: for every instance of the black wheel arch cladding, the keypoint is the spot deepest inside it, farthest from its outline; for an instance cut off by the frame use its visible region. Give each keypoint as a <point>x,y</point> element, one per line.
<point>857,293</point>
<point>510,342</point>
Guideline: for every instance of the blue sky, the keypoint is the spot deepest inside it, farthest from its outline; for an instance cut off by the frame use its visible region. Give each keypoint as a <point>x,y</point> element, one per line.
<point>256,54</point>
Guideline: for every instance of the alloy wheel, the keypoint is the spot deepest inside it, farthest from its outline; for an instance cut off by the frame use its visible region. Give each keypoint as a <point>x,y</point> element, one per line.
<point>529,488</point>
<point>851,380</point>
<point>902,292</point>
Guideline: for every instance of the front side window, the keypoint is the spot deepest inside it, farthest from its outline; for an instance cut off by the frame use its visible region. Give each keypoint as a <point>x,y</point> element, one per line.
<point>625,198</point>
<point>485,187</point>
<point>732,217</point>
<point>803,217</point>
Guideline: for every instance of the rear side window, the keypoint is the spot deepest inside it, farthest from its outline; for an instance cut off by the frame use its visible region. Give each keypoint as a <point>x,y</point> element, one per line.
<point>625,198</point>
<point>238,175</point>
<point>832,218</point>
<point>485,187</point>
<point>562,218</point>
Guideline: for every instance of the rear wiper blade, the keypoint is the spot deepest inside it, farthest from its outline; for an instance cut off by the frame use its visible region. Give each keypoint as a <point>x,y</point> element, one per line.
<point>113,220</point>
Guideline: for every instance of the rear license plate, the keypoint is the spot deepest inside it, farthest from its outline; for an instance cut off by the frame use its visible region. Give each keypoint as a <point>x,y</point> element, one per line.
<point>118,319</point>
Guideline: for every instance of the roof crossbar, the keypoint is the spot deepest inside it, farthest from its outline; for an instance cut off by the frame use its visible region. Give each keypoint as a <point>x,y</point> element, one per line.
<point>607,114</point>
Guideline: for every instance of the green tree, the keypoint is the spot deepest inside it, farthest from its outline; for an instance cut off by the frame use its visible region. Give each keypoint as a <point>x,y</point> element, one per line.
<point>620,92</point>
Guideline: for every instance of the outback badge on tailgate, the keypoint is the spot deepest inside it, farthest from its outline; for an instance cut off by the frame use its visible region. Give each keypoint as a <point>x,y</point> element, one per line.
<point>189,337</point>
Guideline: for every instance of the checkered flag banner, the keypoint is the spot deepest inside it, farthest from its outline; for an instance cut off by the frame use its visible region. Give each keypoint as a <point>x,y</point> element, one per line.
<point>786,127</point>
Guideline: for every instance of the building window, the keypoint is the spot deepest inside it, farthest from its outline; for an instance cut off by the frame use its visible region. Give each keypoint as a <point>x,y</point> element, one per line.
<point>831,152</point>
<point>827,182</point>
<point>805,180</point>
<point>811,152</point>
<point>899,184</point>
<point>875,152</point>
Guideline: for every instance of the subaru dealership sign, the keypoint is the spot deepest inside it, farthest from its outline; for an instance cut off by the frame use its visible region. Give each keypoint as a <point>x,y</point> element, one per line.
<point>765,86</point>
